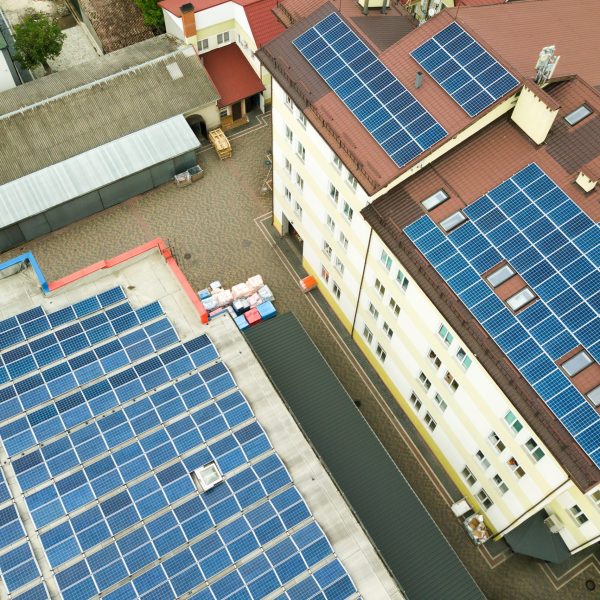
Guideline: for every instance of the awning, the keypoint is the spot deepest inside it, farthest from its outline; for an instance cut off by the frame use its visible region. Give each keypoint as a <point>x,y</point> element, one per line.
<point>232,74</point>
<point>533,538</point>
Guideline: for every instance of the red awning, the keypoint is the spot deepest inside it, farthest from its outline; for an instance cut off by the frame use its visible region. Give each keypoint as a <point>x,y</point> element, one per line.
<point>232,74</point>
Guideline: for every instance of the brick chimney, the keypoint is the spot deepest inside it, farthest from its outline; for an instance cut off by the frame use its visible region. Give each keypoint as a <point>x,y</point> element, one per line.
<point>188,20</point>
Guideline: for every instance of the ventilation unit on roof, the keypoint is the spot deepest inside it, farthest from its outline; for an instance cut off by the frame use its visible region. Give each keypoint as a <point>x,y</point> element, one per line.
<point>553,523</point>
<point>207,476</point>
<point>546,64</point>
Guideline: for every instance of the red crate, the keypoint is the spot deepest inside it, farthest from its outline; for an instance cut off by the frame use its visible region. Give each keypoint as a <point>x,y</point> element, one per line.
<point>253,316</point>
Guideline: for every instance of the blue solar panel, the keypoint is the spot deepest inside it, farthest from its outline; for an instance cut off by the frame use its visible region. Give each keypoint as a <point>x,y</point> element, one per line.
<point>465,70</point>
<point>544,251</point>
<point>391,114</point>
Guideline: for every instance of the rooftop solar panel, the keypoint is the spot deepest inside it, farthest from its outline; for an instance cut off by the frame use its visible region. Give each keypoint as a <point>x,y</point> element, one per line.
<point>562,316</point>
<point>387,110</point>
<point>465,70</point>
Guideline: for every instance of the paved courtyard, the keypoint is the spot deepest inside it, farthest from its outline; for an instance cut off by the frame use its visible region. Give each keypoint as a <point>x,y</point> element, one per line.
<point>220,229</point>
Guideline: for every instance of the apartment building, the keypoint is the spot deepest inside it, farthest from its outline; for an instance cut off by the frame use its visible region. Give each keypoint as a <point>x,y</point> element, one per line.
<point>383,215</point>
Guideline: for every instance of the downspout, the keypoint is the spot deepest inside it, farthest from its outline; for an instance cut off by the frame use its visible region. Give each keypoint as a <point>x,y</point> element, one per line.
<point>362,278</point>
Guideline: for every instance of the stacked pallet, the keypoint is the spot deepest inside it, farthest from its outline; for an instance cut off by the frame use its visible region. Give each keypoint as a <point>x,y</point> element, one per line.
<point>220,143</point>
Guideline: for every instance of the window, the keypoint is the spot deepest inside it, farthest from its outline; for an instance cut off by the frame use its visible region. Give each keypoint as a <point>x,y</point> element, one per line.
<point>453,221</point>
<point>424,381</point>
<point>337,162</point>
<point>379,287</point>
<point>204,45</point>
<point>435,359</point>
<point>348,211</point>
<point>484,499</point>
<point>395,307</point>
<point>463,358</point>
<point>435,200</point>
<point>324,274</point>
<point>515,467</point>
<point>402,280</point>
<point>440,402</point>
<point>431,424</point>
<point>532,447</point>
<point>596,498</point>
<point>415,401</point>
<point>302,119</point>
<point>578,114</point>
<point>381,353</point>
<point>577,363</point>
<point>343,240</point>
<point>339,265</point>
<point>336,290</point>
<point>513,422</point>
<point>289,134</point>
<point>502,487</point>
<point>298,209</point>
<point>207,476</point>
<point>578,515</point>
<point>387,330</point>
<point>368,335</point>
<point>386,260</point>
<point>288,102</point>
<point>330,223</point>
<point>288,166</point>
<point>222,38</point>
<point>483,461</point>
<point>449,379</point>
<point>500,276</point>
<point>327,249</point>
<point>351,181</point>
<point>520,299</point>
<point>374,312</point>
<point>287,194</point>
<point>334,193</point>
<point>446,336</point>
<point>301,151</point>
<point>496,442</point>
<point>469,477</point>
<point>594,396</point>
<point>299,182</point>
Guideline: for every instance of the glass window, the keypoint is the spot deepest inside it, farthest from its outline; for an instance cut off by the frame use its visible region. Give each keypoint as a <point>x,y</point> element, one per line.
<point>578,114</point>
<point>374,312</point>
<point>577,363</point>
<point>502,487</point>
<point>429,421</point>
<point>386,260</point>
<point>334,194</point>
<point>596,498</point>
<point>435,200</point>
<point>579,516</point>
<point>496,442</point>
<point>402,280</point>
<point>381,353</point>
<point>379,287</point>
<point>453,221</point>
<point>367,334</point>
<point>223,37</point>
<point>337,292</point>
<point>299,181</point>
<point>327,249</point>
<point>446,336</point>
<point>298,209</point>
<point>204,44</point>
<point>348,211</point>
<point>520,299</point>
<point>394,307</point>
<point>352,182</point>
<point>388,330</point>
<point>424,381</point>
<point>339,265</point>
<point>301,151</point>
<point>435,359</point>
<point>534,450</point>
<point>469,477</point>
<point>594,395</point>
<point>484,499</point>
<point>500,275</point>
<point>325,274</point>
<point>449,379</point>
<point>287,194</point>
<point>337,162</point>
<point>440,402</point>
<point>343,240</point>
<point>288,166</point>
<point>515,467</point>
<point>288,102</point>
<point>483,461</point>
<point>330,223</point>
<point>301,119</point>
<point>415,401</point>
<point>513,422</point>
<point>289,134</point>
<point>463,358</point>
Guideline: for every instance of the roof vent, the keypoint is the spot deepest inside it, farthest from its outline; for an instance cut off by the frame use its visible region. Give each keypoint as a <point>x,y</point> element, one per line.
<point>174,71</point>
<point>419,79</point>
<point>546,64</point>
<point>207,477</point>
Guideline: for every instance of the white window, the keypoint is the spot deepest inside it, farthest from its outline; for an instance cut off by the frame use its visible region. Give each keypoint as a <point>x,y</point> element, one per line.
<point>289,134</point>
<point>424,381</point>
<point>379,287</point>
<point>204,44</point>
<point>381,353</point>
<point>483,461</point>
<point>463,358</point>
<point>496,442</point>
<point>500,275</point>
<point>330,223</point>
<point>395,307</point>
<point>368,335</point>
<point>402,280</point>
<point>337,292</point>
<point>534,450</point>
<point>327,249</point>
<point>351,181</point>
<point>388,330</point>
<point>343,240</point>
<point>515,467</point>
<point>337,162</point>
<point>596,498</point>
<point>520,299</point>
<point>435,200</point>
<point>223,112</point>
<point>415,401</point>
<point>302,119</point>
<point>453,221</point>
<point>577,363</point>
<point>348,211</point>
<point>287,194</point>
<point>440,402</point>
<point>288,166</point>
<point>434,359</point>
<point>429,421</point>
<point>339,265</point>
<point>334,193</point>
<point>374,312</point>
<point>468,476</point>
<point>579,516</point>
<point>324,274</point>
<point>594,395</point>
<point>301,151</point>
<point>513,422</point>
<point>445,334</point>
<point>578,114</point>
<point>299,182</point>
<point>223,38</point>
<point>502,487</point>
<point>298,209</point>
<point>449,379</point>
<point>386,260</point>
<point>484,499</point>
<point>288,102</point>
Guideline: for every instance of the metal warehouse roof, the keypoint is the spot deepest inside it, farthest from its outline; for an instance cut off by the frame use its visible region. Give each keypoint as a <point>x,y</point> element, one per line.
<point>91,170</point>
<point>408,539</point>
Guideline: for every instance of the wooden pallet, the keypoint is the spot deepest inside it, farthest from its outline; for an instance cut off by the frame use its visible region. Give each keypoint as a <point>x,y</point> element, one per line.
<point>220,143</point>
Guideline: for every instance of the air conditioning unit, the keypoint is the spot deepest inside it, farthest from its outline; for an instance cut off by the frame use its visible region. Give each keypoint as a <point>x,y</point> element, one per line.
<point>553,523</point>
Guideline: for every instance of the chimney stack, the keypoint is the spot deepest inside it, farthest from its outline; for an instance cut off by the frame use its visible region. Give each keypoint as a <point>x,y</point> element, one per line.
<point>188,20</point>
<point>419,79</point>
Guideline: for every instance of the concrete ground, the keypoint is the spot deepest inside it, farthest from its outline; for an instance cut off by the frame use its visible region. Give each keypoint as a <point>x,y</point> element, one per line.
<point>220,229</point>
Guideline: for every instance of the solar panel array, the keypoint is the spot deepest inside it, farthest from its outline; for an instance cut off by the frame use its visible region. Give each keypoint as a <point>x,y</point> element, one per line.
<point>387,110</point>
<point>103,420</point>
<point>470,74</point>
<point>555,247</point>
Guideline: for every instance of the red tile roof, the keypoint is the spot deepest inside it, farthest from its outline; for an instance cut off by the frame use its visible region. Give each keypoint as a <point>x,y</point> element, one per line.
<point>477,2</point>
<point>263,23</point>
<point>232,74</point>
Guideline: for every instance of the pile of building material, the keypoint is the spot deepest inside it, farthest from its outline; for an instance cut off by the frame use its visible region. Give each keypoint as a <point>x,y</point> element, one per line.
<point>248,303</point>
<point>220,143</point>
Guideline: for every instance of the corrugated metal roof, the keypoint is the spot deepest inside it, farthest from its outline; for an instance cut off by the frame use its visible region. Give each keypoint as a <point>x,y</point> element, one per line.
<point>64,181</point>
<point>408,539</point>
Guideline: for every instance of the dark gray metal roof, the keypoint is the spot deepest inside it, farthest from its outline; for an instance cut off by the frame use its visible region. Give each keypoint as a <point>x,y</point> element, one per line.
<point>409,541</point>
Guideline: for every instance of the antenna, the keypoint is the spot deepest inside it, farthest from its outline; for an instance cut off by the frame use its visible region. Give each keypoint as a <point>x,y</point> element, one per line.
<point>546,64</point>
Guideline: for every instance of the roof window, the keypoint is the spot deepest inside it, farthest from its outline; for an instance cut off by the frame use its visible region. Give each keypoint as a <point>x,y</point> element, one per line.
<point>207,476</point>
<point>578,115</point>
<point>520,299</point>
<point>594,395</point>
<point>577,363</point>
<point>500,275</point>
<point>453,221</point>
<point>435,200</point>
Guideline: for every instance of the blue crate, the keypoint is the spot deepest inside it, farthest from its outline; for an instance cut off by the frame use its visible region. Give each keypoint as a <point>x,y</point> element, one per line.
<point>267,310</point>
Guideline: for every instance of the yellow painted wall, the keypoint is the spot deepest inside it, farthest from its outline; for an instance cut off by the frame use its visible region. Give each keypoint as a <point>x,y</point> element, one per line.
<point>533,115</point>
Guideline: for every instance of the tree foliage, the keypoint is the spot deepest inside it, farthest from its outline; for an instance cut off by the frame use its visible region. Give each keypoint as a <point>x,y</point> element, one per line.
<point>38,38</point>
<point>152,13</point>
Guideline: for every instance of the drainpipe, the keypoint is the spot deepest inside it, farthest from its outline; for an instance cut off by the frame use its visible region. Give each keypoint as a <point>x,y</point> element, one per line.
<point>362,278</point>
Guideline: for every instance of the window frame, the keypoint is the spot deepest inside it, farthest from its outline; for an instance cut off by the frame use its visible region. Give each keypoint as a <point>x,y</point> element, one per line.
<point>497,443</point>
<point>513,422</point>
<point>500,484</point>
<point>573,118</point>
<point>451,222</point>
<point>324,274</point>
<point>434,359</point>
<point>335,288</point>
<point>430,422</point>
<point>577,514</point>
<point>435,200</point>
<point>394,307</point>
<point>327,249</point>
<point>424,380</point>
<point>347,211</point>
<point>446,335</point>
<point>534,450</point>
<point>334,193</point>
<point>517,470</point>
<point>343,240</point>
<point>484,499</point>
<point>578,368</point>
<point>482,459</point>
<point>388,330</point>
<point>440,402</point>
<point>287,194</point>
<point>373,311</point>
<point>386,260</point>
<point>339,265</point>
<point>502,273</point>
<point>298,209</point>
<point>367,334</point>
<point>380,352</point>
<point>379,287</point>
<point>466,361</point>
<point>468,476</point>
<point>524,297</point>
<point>300,182</point>
<point>300,151</point>
<point>415,401</point>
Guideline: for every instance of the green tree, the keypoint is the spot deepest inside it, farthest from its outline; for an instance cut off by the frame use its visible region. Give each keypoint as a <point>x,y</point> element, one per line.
<point>152,13</point>
<point>38,38</point>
